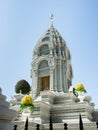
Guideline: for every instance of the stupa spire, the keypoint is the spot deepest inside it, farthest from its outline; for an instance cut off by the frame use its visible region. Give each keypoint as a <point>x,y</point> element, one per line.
<point>51,19</point>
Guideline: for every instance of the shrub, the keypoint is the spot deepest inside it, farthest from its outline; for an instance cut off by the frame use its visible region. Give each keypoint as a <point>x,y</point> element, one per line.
<point>22,86</point>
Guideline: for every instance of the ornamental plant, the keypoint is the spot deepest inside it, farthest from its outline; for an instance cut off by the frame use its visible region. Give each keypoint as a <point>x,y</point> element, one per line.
<point>80,88</point>
<point>27,102</point>
<point>23,86</point>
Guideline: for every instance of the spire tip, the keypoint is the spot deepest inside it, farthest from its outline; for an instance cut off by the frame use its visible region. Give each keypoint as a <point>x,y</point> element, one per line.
<point>51,18</point>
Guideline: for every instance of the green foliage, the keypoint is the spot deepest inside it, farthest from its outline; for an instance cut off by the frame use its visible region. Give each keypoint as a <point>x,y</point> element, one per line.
<point>25,106</point>
<point>22,86</point>
<point>81,90</point>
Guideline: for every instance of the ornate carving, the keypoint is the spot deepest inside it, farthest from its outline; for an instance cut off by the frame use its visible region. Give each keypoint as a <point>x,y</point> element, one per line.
<point>36,73</point>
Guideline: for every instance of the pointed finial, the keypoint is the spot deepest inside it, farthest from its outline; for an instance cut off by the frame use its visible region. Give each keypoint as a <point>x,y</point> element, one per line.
<point>51,18</point>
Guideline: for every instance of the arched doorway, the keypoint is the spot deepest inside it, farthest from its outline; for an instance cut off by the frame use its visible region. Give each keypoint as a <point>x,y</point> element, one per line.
<point>44,83</point>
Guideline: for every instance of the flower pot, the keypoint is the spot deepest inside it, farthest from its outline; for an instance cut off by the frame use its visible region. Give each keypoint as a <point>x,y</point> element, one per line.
<point>26,112</point>
<point>81,96</point>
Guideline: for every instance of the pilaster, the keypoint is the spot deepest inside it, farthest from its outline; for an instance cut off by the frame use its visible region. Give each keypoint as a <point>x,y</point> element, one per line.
<point>51,79</point>
<point>55,78</point>
<point>35,81</point>
<point>61,75</point>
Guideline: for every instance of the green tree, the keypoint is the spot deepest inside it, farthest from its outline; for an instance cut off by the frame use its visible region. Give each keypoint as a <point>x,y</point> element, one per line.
<point>22,86</point>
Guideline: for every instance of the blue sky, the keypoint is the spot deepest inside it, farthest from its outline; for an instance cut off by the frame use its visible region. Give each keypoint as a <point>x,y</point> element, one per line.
<point>23,22</point>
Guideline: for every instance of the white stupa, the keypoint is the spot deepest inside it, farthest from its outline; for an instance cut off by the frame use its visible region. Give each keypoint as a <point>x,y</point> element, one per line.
<point>6,115</point>
<point>51,74</point>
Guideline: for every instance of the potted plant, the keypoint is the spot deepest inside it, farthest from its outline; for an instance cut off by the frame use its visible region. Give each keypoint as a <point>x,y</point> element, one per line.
<point>80,91</point>
<point>27,105</point>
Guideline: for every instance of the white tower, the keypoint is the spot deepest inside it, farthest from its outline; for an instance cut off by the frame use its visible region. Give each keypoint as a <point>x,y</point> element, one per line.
<point>51,63</point>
